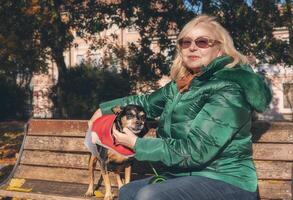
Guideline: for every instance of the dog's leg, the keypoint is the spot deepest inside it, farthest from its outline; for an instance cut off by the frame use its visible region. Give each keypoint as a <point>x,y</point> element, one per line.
<point>118,178</point>
<point>92,166</point>
<point>108,192</point>
<point>127,174</point>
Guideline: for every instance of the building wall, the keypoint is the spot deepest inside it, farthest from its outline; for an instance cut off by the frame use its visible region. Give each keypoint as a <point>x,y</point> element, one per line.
<point>41,86</point>
<point>277,77</point>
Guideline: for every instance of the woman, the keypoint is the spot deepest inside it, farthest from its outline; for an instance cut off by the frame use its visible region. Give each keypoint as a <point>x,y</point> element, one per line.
<point>205,120</point>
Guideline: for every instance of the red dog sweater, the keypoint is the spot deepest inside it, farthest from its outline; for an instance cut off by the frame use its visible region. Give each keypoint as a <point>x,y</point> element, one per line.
<point>103,128</point>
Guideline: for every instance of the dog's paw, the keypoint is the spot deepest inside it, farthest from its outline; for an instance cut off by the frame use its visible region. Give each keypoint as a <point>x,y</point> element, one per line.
<point>152,133</point>
<point>108,197</point>
<point>89,193</point>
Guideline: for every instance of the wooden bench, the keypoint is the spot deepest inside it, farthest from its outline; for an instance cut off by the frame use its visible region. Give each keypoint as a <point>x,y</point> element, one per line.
<point>273,156</point>
<point>53,161</point>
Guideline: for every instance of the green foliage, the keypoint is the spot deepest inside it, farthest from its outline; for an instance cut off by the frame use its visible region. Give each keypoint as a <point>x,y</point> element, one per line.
<point>250,23</point>
<point>20,53</point>
<point>155,21</point>
<point>12,99</point>
<point>83,88</point>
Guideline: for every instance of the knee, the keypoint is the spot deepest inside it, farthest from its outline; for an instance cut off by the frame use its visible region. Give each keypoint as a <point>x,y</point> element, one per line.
<point>125,192</point>
<point>124,188</point>
<point>145,193</point>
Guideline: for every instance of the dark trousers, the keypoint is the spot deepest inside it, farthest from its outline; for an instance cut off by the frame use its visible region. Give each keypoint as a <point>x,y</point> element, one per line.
<point>184,188</point>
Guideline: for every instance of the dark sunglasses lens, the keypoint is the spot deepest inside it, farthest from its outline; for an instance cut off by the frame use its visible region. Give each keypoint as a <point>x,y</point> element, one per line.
<point>202,42</point>
<point>185,43</point>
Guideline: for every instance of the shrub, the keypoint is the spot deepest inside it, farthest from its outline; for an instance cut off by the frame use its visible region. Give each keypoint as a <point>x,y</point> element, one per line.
<point>12,99</point>
<point>83,88</point>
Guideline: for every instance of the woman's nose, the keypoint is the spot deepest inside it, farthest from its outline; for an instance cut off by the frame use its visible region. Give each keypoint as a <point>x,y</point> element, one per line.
<point>193,47</point>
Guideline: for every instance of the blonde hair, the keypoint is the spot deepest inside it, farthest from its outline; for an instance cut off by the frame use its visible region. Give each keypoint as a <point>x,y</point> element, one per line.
<point>178,70</point>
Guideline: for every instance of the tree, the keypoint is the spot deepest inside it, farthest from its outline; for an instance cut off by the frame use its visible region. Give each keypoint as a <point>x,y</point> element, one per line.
<point>20,53</point>
<point>20,57</point>
<point>251,24</point>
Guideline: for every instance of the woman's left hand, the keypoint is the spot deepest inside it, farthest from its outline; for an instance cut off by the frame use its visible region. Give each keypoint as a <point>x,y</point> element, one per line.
<point>127,138</point>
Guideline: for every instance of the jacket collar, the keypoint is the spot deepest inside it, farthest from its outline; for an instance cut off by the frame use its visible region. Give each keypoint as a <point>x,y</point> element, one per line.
<point>255,89</point>
<point>216,65</point>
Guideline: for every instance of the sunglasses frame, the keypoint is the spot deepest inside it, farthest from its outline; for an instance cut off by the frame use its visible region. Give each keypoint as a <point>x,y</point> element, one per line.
<point>210,42</point>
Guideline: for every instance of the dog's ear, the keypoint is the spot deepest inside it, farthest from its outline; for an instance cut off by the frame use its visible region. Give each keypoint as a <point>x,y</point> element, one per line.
<point>116,110</point>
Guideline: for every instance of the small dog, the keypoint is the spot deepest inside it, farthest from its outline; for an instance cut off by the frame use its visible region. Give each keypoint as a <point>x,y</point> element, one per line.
<point>131,116</point>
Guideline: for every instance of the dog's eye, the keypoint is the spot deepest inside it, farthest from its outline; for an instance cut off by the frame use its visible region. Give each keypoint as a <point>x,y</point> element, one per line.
<point>129,115</point>
<point>142,117</point>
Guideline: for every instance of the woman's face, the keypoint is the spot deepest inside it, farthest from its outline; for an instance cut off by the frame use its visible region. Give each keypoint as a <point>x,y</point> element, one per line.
<point>194,56</point>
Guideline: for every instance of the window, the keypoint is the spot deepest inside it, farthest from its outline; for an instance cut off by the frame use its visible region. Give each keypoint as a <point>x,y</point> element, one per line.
<point>79,59</point>
<point>288,95</point>
<point>132,28</point>
<point>94,59</point>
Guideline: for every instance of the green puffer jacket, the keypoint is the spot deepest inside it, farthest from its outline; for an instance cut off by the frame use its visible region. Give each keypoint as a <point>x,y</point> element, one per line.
<point>206,130</point>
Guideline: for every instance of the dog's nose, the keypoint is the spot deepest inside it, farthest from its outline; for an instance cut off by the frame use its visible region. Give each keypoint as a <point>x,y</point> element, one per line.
<point>139,123</point>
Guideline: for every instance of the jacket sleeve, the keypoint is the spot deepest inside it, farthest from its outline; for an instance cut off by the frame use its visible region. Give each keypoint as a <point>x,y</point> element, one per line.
<point>224,114</point>
<point>152,103</point>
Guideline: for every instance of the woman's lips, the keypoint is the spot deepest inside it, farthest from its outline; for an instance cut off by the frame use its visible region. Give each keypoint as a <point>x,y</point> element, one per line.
<point>193,57</point>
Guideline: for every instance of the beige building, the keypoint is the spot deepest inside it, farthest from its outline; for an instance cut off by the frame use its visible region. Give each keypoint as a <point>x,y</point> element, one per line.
<point>280,79</point>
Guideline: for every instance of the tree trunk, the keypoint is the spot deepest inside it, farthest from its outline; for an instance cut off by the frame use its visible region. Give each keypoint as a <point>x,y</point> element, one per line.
<point>59,59</point>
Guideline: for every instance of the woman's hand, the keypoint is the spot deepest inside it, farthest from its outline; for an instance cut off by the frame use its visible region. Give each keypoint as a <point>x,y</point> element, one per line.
<point>127,138</point>
<point>95,116</point>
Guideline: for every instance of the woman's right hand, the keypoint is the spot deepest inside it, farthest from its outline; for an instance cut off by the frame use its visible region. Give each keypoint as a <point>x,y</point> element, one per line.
<point>95,116</point>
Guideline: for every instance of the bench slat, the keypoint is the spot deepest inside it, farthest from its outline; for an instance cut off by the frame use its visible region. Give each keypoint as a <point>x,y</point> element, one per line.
<point>55,144</point>
<point>274,170</point>
<point>275,189</point>
<point>67,175</point>
<point>272,135</point>
<point>73,128</point>
<point>280,132</point>
<point>264,151</point>
<point>54,174</point>
<point>55,159</point>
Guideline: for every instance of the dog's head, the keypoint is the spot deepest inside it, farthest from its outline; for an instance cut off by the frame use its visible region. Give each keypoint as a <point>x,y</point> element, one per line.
<point>131,116</point>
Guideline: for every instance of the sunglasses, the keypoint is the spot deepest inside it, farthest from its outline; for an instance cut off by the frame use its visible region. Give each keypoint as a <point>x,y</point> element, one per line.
<point>201,42</point>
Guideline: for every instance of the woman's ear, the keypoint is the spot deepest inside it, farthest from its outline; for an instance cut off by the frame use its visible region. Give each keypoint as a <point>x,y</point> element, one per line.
<point>220,53</point>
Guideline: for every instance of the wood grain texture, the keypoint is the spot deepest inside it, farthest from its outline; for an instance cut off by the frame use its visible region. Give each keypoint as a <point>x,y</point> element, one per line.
<point>55,144</point>
<point>275,189</point>
<point>54,174</point>
<point>274,170</point>
<point>264,131</point>
<point>75,128</point>
<point>263,151</point>
<point>67,175</point>
<point>55,159</point>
